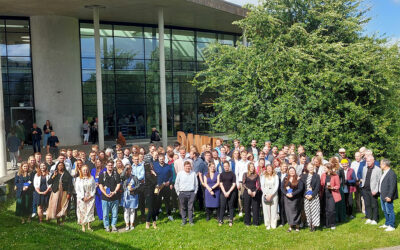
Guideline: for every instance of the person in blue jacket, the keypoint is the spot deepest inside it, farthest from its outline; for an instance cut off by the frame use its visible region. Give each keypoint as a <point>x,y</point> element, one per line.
<point>164,185</point>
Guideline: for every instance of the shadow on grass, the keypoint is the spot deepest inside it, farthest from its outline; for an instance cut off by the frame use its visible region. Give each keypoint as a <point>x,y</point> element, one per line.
<point>45,235</point>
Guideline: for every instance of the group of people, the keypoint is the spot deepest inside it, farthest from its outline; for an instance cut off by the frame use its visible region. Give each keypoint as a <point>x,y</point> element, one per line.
<point>278,186</point>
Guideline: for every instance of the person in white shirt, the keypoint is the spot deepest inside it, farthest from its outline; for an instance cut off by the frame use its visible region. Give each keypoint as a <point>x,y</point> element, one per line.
<point>183,156</point>
<point>357,194</point>
<point>240,169</point>
<point>120,156</point>
<point>186,185</point>
<point>61,158</point>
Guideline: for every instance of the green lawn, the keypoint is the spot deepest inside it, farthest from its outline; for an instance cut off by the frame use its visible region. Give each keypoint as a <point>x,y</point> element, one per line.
<point>205,235</point>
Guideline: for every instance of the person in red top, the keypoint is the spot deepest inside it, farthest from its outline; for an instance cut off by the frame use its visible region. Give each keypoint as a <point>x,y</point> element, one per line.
<point>349,187</point>
<point>330,194</point>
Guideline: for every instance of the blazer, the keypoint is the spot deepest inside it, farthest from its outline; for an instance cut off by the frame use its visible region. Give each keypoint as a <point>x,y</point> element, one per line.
<point>19,183</point>
<point>359,173</point>
<point>66,182</point>
<point>335,183</point>
<point>296,192</point>
<point>389,186</point>
<point>250,150</point>
<point>315,184</point>
<point>375,177</point>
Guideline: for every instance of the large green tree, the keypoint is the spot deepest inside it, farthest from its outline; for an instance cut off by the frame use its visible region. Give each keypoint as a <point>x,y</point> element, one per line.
<point>308,76</point>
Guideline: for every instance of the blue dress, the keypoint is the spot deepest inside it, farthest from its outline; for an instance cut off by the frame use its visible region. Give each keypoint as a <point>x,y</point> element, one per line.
<point>98,195</point>
<point>212,201</point>
<point>128,200</point>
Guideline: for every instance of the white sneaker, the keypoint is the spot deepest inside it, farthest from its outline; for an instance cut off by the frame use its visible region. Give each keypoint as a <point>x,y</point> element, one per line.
<point>170,218</point>
<point>383,226</point>
<point>240,214</point>
<point>368,221</point>
<point>389,229</point>
<point>268,227</point>
<point>373,222</point>
<point>127,228</point>
<point>333,228</point>
<point>33,215</point>
<point>45,213</point>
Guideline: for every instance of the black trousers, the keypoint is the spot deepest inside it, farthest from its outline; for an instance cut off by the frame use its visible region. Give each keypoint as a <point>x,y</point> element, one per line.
<point>251,204</point>
<point>93,136</point>
<point>371,205</point>
<point>164,196</point>
<point>348,200</point>
<point>200,195</point>
<point>150,202</point>
<point>329,208</point>
<point>142,201</point>
<point>209,212</point>
<point>282,213</point>
<point>223,201</point>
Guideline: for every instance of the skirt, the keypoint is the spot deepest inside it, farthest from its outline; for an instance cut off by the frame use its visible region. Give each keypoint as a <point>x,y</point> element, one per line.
<point>24,205</point>
<point>58,205</point>
<point>85,211</point>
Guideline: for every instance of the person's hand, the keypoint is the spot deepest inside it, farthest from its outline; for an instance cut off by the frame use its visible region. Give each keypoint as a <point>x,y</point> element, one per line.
<point>15,188</point>
<point>171,187</point>
<point>249,192</point>
<point>269,197</point>
<point>289,195</point>
<point>212,192</point>
<point>24,188</point>
<point>153,173</point>
<point>387,199</point>
<point>226,195</point>
<point>240,186</point>
<point>373,193</point>
<point>167,183</point>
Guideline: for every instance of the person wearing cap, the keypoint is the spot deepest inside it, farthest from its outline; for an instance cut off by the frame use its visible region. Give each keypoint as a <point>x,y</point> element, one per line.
<point>388,191</point>
<point>349,187</point>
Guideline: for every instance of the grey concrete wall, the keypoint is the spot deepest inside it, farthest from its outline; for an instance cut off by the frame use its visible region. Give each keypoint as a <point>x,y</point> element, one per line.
<point>57,75</point>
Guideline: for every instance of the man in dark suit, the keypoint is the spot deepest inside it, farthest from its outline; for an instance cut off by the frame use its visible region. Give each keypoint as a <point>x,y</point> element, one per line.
<point>388,191</point>
<point>253,149</point>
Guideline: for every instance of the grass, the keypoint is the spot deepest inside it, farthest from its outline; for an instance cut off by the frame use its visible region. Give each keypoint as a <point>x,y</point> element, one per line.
<point>203,235</point>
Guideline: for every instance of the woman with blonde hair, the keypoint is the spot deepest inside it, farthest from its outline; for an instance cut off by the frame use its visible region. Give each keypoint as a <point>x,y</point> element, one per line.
<point>312,184</point>
<point>23,188</point>
<point>269,187</point>
<point>251,197</point>
<point>42,190</point>
<point>85,188</point>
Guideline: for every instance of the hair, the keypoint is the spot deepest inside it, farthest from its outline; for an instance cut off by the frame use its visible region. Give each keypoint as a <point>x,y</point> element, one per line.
<point>110,161</point>
<point>273,171</point>
<point>248,168</point>
<point>302,155</point>
<point>182,148</point>
<point>109,151</point>
<point>20,171</point>
<point>208,172</point>
<point>319,159</point>
<point>227,162</point>
<point>81,172</point>
<point>37,153</point>
<point>306,168</point>
<point>335,163</point>
<point>386,162</point>
<point>207,152</point>
<point>187,163</point>
<point>329,167</point>
<point>135,155</point>
<point>176,144</point>
<point>49,155</point>
<point>196,153</point>
<point>60,163</point>
<point>39,171</point>
<point>294,182</point>
<point>294,157</point>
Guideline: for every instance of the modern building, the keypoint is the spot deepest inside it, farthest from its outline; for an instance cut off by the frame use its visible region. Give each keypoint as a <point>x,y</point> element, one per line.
<point>56,56</point>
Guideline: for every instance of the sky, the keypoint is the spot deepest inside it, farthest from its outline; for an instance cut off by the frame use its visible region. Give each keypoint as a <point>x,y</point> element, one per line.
<point>385,16</point>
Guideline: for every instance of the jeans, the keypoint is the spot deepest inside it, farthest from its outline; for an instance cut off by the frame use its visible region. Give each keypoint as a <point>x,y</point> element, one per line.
<point>14,158</point>
<point>110,206</point>
<point>387,208</point>
<point>36,146</point>
<point>45,138</point>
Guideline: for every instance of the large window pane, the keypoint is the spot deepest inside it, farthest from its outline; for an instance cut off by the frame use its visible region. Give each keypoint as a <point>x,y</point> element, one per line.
<point>206,37</point>
<point>183,35</point>
<point>129,48</point>
<point>17,25</point>
<point>18,44</point>
<point>182,50</point>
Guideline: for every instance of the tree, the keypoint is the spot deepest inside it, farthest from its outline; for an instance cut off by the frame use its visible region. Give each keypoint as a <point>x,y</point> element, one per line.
<point>309,76</point>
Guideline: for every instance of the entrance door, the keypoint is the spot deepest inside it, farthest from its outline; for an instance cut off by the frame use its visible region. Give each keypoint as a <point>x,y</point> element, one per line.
<point>23,116</point>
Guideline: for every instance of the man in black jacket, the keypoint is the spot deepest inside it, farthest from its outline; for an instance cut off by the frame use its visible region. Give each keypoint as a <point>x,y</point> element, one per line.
<point>36,137</point>
<point>388,191</point>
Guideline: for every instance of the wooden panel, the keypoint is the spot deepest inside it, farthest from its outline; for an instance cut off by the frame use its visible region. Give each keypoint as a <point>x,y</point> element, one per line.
<point>181,138</point>
<point>189,141</point>
<point>197,142</point>
<point>205,139</point>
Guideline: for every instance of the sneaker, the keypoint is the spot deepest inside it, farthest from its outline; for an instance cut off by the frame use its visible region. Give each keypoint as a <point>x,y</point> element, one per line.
<point>191,224</point>
<point>183,223</point>
<point>170,218</point>
<point>44,213</point>
<point>114,229</point>
<point>33,215</point>
<point>333,228</point>
<point>132,227</point>
<point>127,228</point>
<point>240,214</point>
<point>389,229</point>
<point>384,226</point>
<point>107,229</point>
<point>373,222</point>
<point>368,221</point>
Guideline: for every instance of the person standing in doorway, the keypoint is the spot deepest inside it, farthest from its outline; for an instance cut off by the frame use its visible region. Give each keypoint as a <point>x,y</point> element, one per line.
<point>93,130</point>
<point>52,145</point>
<point>85,132</point>
<point>47,128</point>
<point>13,144</point>
<point>36,137</point>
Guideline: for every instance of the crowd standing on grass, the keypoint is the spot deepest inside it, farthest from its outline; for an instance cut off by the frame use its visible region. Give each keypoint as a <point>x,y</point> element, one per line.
<point>275,185</point>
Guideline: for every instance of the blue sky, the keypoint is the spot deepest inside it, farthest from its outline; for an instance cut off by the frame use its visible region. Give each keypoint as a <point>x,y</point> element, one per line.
<point>385,16</point>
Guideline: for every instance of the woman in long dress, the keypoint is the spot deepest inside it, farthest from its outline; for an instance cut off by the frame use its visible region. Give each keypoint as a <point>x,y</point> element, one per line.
<point>292,189</point>
<point>42,190</point>
<point>23,188</point>
<point>61,186</point>
<point>85,188</point>
<point>100,167</point>
<point>311,197</point>
<point>212,190</point>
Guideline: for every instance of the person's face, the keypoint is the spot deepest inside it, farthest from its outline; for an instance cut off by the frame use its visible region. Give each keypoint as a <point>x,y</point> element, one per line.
<point>187,168</point>
<point>281,155</point>
<point>357,156</point>
<point>302,160</point>
<point>208,147</point>
<point>135,160</point>
<point>34,125</point>
<point>53,133</point>
<point>85,171</point>
<point>342,154</point>
<point>286,149</point>
<point>274,150</point>
<point>141,157</point>
<point>152,149</point>
<point>161,159</point>
<point>345,165</point>
<point>61,158</point>
<point>60,167</point>
<point>243,156</point>
<point>49,159</point>
<point>253,143</point>
<point>83,156</point>
<point>223,150</point>
<point>75,153</point>
<point>218,143</point>
<point>79,164</point>
<point>32,161</point>
<point>236,143</point>
<point>93,156</point>
<point>310,168</point>
<point>182,153</point>
<point>226,167</point>
<point>300,150</point>
<point>284,168</point>
<point>207,157</point>
<point>119,164</point>
<point>25,168</point>
<point>127,152</point>
<point>118,147</point>
<point>43,168</point>
<point>215,154</point>
<point>38,158</point>
<point>261,163</point>
<point>120,155</point>
<point>223,158</point>
<point>69,153</point>
<point>269,170</point>
<point>292,172</point>
<point>262,155</point>
<point>98,163</point>
<point>370,161</point>
<point>276,164</point>
<point>102,155</point>
<point>212,168</point>
<point>110,167</point>
<point>252,168</point>
<point>236,154</point>
<point>291,159</point>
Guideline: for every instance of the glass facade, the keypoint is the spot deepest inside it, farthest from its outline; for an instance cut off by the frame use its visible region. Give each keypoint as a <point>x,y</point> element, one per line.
<point>131,80</point>
<point>16,66</point>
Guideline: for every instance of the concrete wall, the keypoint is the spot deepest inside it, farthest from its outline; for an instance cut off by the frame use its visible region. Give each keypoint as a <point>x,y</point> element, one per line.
<point>57,75</point>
